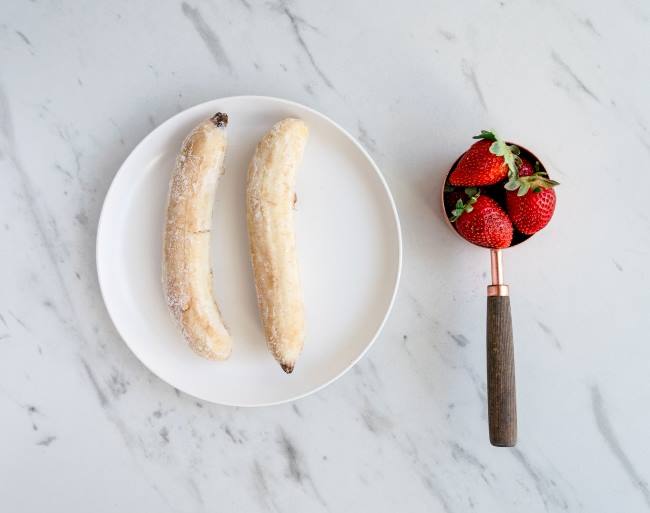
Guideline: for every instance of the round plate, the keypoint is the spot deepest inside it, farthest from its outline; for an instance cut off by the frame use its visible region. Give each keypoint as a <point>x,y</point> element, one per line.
<point>348,240</point>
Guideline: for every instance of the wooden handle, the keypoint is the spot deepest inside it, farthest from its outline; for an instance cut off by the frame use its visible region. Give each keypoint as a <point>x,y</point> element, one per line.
<point>502,404</point>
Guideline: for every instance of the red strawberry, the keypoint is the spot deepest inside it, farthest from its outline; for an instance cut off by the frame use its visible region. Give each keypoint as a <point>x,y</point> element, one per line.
<point>486,162</point>
<point>526,168</point>
<point>483,222</point>
<point>530,199</point>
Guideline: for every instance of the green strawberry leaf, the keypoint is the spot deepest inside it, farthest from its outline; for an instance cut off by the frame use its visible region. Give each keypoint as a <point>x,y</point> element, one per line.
<point>538,180</point>
<point>449,188</point>
<point>511,162</point>
<point>487,135</point>
<point>535,182</point>
<point>471,191</point>
<point>544,181</point>
<point>498,148</point>
<point>523,189</point>
<point>510,154</point>
<point>512,185</point>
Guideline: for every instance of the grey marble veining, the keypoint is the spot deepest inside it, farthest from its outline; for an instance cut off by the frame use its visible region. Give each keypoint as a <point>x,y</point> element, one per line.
<point>84,424</point>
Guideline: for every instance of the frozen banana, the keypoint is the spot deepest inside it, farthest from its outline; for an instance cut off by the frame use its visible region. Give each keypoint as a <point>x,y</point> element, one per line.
<point>187,276</point>
<point>270,199</point>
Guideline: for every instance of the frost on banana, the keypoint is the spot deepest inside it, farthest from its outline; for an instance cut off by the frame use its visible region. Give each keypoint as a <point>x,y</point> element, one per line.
<point>187,276</point>
<point>270,199</point>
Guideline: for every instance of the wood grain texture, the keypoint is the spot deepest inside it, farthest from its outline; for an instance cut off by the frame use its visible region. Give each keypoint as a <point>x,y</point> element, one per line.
<point>502,405</point>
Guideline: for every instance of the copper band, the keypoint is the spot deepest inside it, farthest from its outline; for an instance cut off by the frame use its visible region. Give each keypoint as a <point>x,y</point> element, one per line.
<point>498,290</point>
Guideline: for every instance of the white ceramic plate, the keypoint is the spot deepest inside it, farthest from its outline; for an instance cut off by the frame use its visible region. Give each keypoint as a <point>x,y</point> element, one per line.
<point>348,240</point>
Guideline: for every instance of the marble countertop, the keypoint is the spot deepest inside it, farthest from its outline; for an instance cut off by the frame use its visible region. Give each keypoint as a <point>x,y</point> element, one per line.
<point>84,424</point>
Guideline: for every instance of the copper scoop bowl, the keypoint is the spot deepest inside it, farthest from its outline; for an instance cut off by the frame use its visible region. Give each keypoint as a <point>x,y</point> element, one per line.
<point>502,404</point>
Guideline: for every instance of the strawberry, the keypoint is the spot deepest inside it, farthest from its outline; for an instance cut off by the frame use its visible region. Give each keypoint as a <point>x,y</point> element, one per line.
<point>487,162</point>
<point>482,221</point>
<point>530,199</point>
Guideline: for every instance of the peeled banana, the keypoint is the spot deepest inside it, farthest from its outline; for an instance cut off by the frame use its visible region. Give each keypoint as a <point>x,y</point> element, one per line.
<point>270,199</point>
<point>187,276</point>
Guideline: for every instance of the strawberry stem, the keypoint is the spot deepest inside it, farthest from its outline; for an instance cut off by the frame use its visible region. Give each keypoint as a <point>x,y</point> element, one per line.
<point>536,182</point>
<point>462,207</point>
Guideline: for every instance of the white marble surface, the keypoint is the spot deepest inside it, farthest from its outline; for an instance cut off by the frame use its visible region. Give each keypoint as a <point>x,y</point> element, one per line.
<point>86,427</point>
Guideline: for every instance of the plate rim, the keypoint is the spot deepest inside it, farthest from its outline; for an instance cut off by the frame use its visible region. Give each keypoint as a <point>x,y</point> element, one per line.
<point>102,221</point>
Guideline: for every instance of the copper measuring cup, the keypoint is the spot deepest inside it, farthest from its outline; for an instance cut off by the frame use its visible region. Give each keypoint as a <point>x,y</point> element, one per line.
<point>502,404</point>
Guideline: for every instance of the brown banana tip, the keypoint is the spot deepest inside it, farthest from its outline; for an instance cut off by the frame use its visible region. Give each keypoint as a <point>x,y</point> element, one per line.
<point>220,119</point>
<point>288,368</point>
